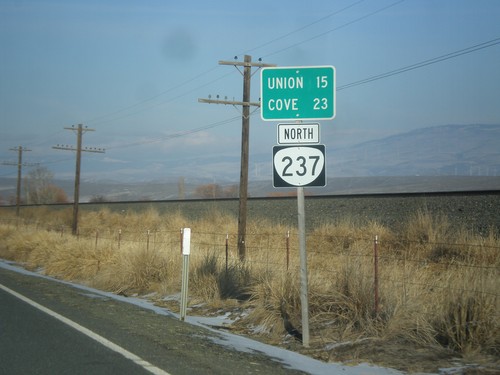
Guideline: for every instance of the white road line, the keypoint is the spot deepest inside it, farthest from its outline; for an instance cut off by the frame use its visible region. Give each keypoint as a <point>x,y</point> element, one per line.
<point>110,345</point>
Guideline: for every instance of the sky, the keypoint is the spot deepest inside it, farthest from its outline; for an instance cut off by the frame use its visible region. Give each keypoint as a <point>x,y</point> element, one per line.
<point>133,71</point>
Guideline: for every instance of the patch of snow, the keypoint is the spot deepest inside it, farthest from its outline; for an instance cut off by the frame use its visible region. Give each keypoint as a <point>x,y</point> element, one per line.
<point>458,370</point>
<point>259,329</point>
<point>172,297</point>
<point>92,295</point>
<point>340,344</point>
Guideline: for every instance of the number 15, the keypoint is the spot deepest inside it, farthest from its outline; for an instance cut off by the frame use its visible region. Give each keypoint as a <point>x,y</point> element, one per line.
<point>321,82</point>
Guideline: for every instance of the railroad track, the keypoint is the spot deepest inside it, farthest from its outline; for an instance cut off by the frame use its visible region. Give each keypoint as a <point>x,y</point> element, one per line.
<point>477,210</point>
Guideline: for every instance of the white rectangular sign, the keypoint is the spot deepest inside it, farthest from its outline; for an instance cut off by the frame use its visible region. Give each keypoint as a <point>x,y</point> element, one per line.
<point>186,241</point>
<point>289,134</point>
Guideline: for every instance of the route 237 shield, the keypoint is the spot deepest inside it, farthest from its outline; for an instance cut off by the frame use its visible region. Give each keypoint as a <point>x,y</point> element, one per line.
<point>299,166</point>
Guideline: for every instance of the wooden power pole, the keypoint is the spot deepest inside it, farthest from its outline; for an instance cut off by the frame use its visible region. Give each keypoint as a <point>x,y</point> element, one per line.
<point>20,165</point>
<point>79,132</point>
<point>245,136</point>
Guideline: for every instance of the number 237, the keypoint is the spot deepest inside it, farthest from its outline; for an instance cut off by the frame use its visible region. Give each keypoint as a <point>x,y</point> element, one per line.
<point>303,165</point>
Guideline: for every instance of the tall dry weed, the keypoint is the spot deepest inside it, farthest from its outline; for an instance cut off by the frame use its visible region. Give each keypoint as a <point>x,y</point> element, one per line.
<point>272,297</point>
<point>467,318</point>
<point>133,270</point>
<point>77,261</point>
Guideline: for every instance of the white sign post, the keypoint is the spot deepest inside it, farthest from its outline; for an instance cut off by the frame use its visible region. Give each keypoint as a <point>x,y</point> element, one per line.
<point>304,301</point>
<point>186,250</point>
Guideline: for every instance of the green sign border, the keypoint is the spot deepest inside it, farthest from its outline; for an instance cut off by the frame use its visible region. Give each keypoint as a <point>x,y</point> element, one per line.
<point>301,87</point>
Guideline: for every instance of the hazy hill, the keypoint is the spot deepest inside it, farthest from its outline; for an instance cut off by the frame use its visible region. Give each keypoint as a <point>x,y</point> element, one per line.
<point>456,150</point>
<point>441,158</point>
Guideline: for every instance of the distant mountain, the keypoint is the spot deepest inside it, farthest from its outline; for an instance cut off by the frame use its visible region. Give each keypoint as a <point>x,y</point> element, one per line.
<point>440,158</point>
<point>450,150</point>
<point>116,191</point>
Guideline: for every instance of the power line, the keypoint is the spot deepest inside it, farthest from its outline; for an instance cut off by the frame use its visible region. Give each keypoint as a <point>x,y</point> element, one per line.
<point>7,174</point>
<point>176,135</point>
<point>336,28</point>
<point>100,119</point>
<point>421,64</point>
<point>304,27</point>
<point>57,161</point>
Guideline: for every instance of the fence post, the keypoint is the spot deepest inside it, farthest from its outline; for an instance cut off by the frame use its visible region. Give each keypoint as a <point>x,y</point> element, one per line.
<point>287,250</point>
<point>147,242</point>
<point>375,281</point>
<point>96,237</point>
<point>227,250</point>
<point>404,277</point>
<point>119,238</point>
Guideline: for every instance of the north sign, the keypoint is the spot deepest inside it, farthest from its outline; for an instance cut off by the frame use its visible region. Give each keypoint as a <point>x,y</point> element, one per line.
<point>296,134</point>
<point>298,93</point>
<point>299,166</point>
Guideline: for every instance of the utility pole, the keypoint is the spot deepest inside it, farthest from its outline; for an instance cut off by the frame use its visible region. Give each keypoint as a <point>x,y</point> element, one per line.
<point>79,132</point>
<point>245,136</point>
<point>19,164</point>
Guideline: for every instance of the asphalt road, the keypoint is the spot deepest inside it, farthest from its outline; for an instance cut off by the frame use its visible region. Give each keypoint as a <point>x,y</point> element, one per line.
<point>33,342</point>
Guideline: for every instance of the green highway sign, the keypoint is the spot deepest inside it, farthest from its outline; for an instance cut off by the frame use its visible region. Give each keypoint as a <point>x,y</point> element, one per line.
<point>297,93</point>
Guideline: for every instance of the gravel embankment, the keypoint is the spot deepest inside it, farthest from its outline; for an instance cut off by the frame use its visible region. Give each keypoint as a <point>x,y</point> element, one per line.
<point>478,211</point>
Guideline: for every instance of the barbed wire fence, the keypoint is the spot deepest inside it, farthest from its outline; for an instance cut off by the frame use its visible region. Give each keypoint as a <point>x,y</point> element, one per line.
<point>391,261</point>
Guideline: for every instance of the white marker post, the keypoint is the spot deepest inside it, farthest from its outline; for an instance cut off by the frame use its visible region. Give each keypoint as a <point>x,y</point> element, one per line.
<point>186,250</point>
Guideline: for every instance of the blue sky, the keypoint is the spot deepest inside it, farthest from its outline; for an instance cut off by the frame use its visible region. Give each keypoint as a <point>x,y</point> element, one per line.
<point>134,70</point>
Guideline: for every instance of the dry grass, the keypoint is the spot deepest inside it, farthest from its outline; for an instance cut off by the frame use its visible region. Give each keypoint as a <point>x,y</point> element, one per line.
<point>438,285</point>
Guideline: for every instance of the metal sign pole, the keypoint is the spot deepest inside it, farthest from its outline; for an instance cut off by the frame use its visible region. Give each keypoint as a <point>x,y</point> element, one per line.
<point>186,249</point>
<point>303,267</point>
